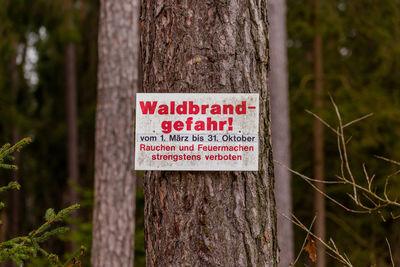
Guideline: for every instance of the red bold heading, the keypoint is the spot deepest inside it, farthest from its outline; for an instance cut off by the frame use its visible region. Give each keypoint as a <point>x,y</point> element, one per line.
<point>189,108</point>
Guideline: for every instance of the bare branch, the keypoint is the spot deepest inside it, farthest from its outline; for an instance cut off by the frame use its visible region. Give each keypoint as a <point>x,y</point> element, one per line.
<point>388,160</point>
<point>344,148</point>
<point>348,140</point>
<point>340,155</point>
<point>335,254</point>
<point>357,120</point>
<point>321,120</point>
<point>309,181</point>
<point>377,201</point>
<point>304,243</point>
<point>390,252</point>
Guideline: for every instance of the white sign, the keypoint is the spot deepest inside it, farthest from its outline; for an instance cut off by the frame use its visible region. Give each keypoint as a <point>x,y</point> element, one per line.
<point>201,132</point>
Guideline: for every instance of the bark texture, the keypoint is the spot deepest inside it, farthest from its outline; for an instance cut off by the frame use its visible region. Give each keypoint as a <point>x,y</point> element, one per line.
<point>115,184</point>
<point>280,118</point>
<point>209,218</point>
<point>318,138</point>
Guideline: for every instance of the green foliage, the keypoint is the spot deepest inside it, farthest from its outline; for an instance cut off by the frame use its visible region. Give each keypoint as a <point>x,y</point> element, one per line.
<point>82,233</point>
<point>361,70</point>
<point>24,248</point>
<point>6,151</point>
<point>39,110</point>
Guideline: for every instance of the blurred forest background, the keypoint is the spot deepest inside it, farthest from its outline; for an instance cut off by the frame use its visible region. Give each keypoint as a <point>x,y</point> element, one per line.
<point>361,58</point>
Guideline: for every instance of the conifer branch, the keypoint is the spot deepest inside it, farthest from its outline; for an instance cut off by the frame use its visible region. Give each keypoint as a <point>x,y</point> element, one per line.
<point>23,248</point>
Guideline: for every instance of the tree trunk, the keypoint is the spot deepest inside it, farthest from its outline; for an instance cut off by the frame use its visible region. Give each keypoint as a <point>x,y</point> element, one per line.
<point>209,218</point>
<point>14,220</point>
<point>15,195</point>
<point>318,139</point>
<point>115,183</point>
<point>71,196</point>
<point>72,124</point>
<point>280,118</point>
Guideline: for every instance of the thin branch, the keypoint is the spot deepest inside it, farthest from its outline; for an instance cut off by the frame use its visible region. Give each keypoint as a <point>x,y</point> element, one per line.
<point>369,181</point>
<point>321,120</point>
<point>305,241</point>
<point>348,140</point>
<point>390,251</point>
<point>375,201</point>
<point>309,181</point>
<point>338,256</point>
<point>333,244</point>
<point>357,120</point>
<point>341,156</point>
<point>344,148</point>
<point>388,160</point>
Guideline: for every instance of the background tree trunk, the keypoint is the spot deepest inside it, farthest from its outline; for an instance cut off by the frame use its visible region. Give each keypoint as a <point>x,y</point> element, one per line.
<point>318,138</point>
<point>15,194</point>
<point>115,183</point>
<point>280,119</point>
<point>209,218</point>
<point>14,222</point>
<point>72,124</point>
<point>71,196</point>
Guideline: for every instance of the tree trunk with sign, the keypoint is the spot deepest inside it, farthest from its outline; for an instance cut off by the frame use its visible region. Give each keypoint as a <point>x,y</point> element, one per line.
<point>209,218</point>
<point>115,183</point>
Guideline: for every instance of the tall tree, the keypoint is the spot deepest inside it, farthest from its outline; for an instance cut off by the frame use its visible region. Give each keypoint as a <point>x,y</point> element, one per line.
<point>209,218</point>
<point>115,183</point>
<point>72,117</point>
<point>71,108</point>
<point>280,119</point>
<point>318,136</point>
<point>15,196</point>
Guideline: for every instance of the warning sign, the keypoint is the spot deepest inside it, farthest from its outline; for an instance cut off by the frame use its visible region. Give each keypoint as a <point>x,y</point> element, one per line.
<point>201,132</point>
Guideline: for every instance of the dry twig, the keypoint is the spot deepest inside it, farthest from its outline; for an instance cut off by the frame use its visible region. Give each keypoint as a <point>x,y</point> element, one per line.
<point>332,249</point>
<point>374,200</point>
